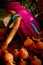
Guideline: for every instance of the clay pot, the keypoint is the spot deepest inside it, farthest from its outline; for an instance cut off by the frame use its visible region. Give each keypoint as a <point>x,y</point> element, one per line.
<point>0,52</point>
<point>39,45</point>
<point>24,53</point>
<point>28,42</point>
<point>22,62</point>
<point>16,54</point>
<point>35,61</point>
<point>7,57</point>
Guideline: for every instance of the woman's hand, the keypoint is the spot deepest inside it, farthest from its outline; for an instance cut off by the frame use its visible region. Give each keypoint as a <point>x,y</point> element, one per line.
<point>4,47</point>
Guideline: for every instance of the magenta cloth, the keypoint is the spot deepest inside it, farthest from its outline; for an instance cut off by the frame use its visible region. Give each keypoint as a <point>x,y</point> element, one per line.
<point>27,18</point>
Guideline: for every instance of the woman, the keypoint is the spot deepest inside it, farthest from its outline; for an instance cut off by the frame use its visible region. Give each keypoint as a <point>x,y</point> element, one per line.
<point>24,23</point>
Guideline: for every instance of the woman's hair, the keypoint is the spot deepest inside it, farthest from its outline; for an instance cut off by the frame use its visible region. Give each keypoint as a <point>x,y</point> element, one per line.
<point>14,6</point>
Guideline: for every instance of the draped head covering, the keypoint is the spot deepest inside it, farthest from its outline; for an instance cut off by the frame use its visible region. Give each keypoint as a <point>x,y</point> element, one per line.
<point>14,6</point>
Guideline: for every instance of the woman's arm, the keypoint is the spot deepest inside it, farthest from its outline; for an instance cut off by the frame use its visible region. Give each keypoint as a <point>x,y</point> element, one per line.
<point>14,30</point>
<point>12,33</point>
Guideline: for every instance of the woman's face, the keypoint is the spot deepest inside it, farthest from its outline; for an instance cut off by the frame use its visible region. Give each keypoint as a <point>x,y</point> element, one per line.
<point>12,12</point>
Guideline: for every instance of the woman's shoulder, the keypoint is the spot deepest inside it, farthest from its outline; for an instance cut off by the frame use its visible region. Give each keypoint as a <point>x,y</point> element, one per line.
<point>15,16</point>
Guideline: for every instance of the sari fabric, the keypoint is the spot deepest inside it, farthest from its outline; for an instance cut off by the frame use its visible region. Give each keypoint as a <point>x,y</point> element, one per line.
<point>29,25</point>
